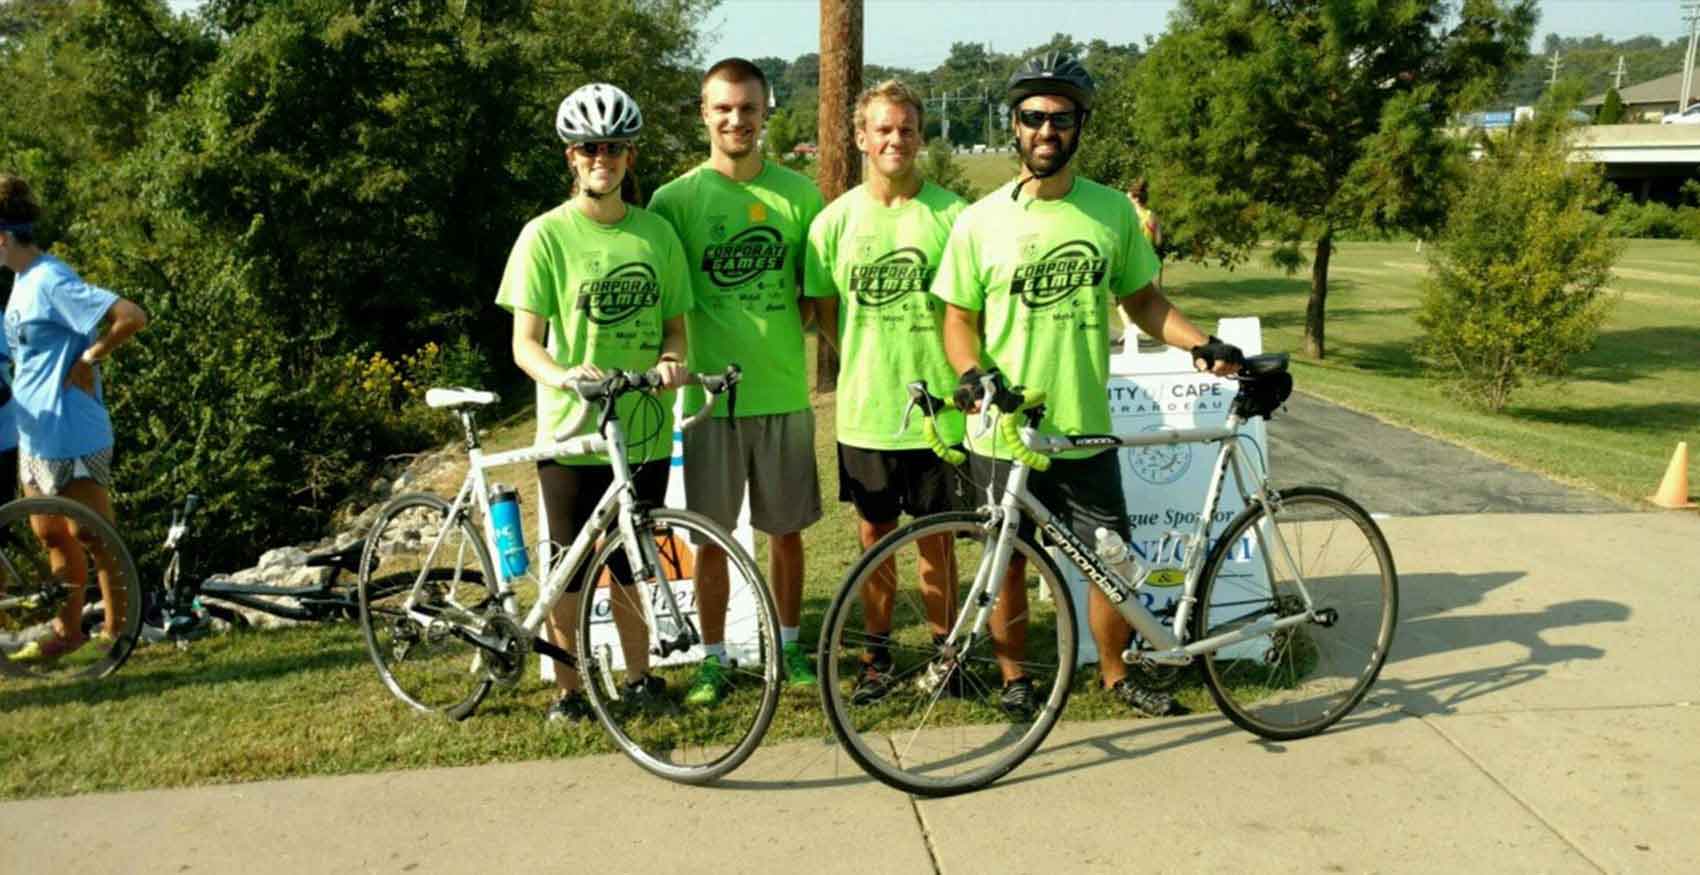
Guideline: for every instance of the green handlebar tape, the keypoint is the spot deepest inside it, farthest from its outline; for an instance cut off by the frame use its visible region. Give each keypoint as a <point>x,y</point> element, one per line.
<point>1011,434</point>
<point>950,455</point>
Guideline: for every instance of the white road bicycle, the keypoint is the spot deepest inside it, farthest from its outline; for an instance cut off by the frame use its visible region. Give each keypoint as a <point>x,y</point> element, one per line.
<point>443,622</point>
<point>1289,611</point>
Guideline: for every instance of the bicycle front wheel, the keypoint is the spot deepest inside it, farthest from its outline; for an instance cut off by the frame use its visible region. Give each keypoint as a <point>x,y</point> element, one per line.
<point>930,715</point>
<point>416,552</point>
<point>70,596</point>
<point>1297,681</point>
<point>678,723</point>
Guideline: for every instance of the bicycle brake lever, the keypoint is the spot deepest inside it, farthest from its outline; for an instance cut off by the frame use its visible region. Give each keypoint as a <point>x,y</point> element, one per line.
<point>907,409</point>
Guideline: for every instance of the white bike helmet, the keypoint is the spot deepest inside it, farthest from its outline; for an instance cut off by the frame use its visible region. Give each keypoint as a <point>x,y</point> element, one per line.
<point>598,111</point>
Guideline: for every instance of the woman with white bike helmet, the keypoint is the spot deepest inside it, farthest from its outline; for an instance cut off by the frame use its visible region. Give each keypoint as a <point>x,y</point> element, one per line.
<point>599,282</point>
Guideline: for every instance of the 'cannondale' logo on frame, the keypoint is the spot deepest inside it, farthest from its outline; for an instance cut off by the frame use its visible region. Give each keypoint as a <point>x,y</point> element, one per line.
<point>1057,274</point>
<point>888,278</point>
<point>741,258</point>
<point>624,291</point>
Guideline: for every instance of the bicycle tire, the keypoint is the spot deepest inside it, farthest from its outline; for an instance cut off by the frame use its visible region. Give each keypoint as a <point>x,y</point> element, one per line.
<point>435,678</point>
<point>664,736</point>
<point>25,566</point>
<point>926,731</point>
<point>1299,681</point>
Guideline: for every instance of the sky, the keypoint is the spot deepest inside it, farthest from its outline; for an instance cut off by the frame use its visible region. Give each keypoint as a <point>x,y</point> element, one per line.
<point>916,34</point>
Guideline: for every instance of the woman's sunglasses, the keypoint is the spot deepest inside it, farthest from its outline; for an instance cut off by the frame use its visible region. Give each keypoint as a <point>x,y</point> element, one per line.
<point>613,149</point>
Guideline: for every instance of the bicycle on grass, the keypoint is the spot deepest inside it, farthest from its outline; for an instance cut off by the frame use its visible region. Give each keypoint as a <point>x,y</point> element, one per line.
<point>1289,612</point>
<point>455,626</point>
<point>36,587</point>
<point>183,607</point>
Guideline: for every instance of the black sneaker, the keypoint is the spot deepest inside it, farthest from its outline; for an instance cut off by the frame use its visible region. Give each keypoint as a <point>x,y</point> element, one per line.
<point>1150,703</point>
<point>646,692</point>
<point>873,683</point>
<point>1017,699</point>
<point>571,707</point>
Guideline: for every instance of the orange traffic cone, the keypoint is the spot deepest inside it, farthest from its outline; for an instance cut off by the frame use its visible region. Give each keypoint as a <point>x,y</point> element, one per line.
<point>1673,490</point>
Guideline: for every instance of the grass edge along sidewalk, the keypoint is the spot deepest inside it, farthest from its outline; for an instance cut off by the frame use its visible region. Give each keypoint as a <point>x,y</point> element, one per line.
<point>307,701</point>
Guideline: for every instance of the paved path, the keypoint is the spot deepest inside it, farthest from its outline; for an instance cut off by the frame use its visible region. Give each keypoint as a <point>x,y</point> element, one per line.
<point>1538,714</point>
<point>1395,471</point>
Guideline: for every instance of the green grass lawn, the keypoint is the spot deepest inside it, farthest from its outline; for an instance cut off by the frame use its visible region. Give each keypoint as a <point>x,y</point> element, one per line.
<point>1612,428</point>
<point>307,701</point>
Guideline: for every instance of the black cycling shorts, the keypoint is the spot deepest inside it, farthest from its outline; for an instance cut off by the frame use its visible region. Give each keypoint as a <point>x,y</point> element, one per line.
<point>570,493</point>
<point>884,484</point>
<point>1084,494</point>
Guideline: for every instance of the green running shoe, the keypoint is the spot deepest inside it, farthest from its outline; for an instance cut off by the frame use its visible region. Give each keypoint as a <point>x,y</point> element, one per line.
<point>799,665</point>
<point>710,683</point>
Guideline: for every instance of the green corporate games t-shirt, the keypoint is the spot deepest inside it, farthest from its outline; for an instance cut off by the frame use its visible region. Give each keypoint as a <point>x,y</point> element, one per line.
<point>744,244</point>
<point>1043,274</point>
<point>880,261</point>
<point>605,290</point>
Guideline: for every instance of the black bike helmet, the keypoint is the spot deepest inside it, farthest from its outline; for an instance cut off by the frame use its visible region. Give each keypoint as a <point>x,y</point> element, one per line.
<point>1052,73</point>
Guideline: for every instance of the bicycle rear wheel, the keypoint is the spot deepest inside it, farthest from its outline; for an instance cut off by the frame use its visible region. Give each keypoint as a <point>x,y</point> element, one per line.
<point>1298,681</point>
<point>415,550</point>
<point>933,721</point>
<point>656,727</point>
<point>59,560</point>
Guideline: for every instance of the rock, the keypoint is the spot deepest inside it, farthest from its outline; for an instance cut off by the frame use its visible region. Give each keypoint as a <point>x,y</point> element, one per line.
<point>282,557</point>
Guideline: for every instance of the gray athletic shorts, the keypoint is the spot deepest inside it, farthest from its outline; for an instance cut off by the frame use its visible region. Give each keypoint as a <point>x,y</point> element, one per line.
<point>51,476</point>
<point>773,454</point>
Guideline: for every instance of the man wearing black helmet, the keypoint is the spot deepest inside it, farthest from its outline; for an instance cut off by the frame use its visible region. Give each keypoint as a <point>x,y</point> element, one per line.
<point>1027,278</point>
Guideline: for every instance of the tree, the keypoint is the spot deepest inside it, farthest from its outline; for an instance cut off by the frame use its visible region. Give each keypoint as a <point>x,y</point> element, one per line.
<point>292,188</point>
<point>938,165</point>
<point>1517,286</point>
<point>1611,111</point>
<point>1288,120</point>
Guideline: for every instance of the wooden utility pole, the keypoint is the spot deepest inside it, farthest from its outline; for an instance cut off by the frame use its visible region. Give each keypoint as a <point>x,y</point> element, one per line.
<point>840,167</point>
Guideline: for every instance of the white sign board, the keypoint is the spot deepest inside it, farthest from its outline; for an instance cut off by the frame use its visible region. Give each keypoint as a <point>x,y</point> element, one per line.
<point>743,633</point>
<point>1156,388</point>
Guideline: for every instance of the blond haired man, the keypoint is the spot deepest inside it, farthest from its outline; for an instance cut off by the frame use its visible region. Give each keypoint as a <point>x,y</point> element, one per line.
<point>871,258</point>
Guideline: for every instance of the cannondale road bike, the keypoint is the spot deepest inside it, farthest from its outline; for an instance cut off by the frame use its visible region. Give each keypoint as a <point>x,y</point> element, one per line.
<point>443,622</point>
<point>1288,613</point>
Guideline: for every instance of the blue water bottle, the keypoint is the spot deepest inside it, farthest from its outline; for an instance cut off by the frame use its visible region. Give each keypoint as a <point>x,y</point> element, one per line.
<point>510,532</point>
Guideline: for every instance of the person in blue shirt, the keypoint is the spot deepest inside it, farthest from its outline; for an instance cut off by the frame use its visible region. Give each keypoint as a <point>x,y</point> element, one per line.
<point>53,329</point>
<point>8,427</point>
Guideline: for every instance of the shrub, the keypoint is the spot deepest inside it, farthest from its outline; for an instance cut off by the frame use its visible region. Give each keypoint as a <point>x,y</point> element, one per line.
<point>938,165</point>
<point>1518,280</point>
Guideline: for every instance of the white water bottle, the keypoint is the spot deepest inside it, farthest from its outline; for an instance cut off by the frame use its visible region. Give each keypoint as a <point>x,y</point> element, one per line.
<point>1122,560</point>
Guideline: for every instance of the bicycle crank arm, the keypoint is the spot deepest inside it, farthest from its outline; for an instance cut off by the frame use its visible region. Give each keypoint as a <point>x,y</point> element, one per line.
<point>548,648</point>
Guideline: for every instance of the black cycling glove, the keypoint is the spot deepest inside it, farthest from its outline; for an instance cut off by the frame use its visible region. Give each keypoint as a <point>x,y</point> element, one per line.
<point>1217,350</point>
<point>968,389</point>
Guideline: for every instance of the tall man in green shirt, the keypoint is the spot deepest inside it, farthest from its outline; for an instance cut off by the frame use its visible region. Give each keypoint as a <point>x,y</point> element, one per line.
<point>743,223</point>
<point>871,257</point>
<point>1037,262</point>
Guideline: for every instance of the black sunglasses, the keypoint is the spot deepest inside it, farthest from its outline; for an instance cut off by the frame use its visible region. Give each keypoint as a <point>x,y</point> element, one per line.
<point>612,149</point>
<point>1034,119</point>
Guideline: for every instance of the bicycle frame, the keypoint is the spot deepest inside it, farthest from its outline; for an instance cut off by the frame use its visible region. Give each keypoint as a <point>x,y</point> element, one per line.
<point>617,502</point>
<point>1166,642</point>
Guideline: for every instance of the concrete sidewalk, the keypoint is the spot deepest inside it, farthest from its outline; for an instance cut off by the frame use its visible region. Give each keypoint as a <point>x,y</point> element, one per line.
<point>1537,715</point>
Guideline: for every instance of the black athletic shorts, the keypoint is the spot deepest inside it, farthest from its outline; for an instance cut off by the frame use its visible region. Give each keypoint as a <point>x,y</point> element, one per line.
<point>8,475</point>
<point>884,484</point>
<point>1084,494</point>
<point>570,493</point>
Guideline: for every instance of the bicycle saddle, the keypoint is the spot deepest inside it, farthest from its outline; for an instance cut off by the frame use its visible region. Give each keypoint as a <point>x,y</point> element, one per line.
<point>457,398</point>
<point>348,558</point>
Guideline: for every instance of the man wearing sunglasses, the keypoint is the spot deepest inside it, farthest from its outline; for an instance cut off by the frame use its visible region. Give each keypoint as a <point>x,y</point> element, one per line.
<point>743,222</point>
<point>1027,279</point>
